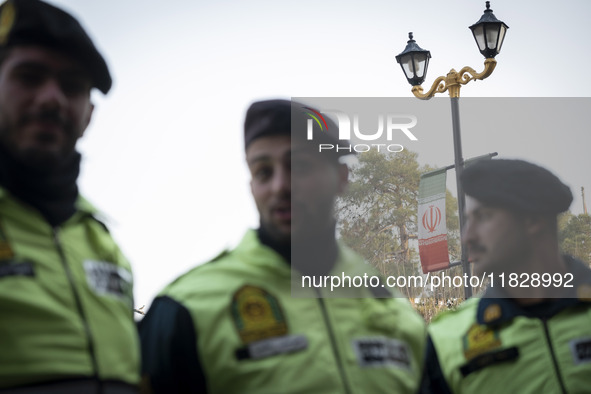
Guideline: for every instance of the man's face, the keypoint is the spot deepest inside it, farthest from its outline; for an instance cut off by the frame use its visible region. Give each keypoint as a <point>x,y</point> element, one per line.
<point>44,105</point>
<point>496,238</point>
<point>294,189</point>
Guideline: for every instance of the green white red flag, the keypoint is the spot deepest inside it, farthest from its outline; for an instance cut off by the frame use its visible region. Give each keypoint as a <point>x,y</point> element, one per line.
<point>433,250</point>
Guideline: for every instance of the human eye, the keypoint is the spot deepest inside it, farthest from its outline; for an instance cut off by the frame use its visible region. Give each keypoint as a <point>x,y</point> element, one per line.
<point>74,85</point>
<point>29,77</point>
<point>482,215</point>
<point>301,165</point>
<point>262,172</point>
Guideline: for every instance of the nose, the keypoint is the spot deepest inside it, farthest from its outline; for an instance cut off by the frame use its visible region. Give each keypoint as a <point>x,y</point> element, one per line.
<point>281,182</point>
<point>468,233</point>
<point>51,96</point>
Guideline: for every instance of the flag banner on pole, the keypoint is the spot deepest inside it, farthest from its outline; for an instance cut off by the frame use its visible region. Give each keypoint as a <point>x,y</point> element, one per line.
<point>433,250</point>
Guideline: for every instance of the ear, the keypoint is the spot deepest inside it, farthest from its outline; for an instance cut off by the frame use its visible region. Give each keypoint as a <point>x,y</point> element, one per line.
<point>343,173</point>
<point>536,224</point>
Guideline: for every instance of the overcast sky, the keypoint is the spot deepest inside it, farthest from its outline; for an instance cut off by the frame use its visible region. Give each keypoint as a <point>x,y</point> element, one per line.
<point>164,157</point>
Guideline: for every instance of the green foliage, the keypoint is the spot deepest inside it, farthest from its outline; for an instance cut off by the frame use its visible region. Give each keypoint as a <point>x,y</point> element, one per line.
<point>574,235</point>
<point>428,308</point>
<point>453,227</point>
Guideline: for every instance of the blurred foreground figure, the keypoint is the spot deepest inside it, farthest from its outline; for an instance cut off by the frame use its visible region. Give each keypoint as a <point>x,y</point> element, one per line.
<point>244,323</point>
<point>66,317</point>
<point>530,332</point>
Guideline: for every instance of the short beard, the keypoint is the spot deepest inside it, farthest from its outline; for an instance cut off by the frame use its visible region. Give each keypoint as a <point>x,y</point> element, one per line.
<point>276,234</point>
<point>36,160</point>
<point>41,161</point>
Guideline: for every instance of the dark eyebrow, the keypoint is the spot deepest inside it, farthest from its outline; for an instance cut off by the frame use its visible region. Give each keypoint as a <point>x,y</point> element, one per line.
<point>299,149</point>
<point>300,152</point>
<point>258,159</point>
<point>480,209</point>
<point>31,64</point>
<point>267,157</point>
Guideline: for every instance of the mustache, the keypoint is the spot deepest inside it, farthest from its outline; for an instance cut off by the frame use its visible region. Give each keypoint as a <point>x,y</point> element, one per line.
<point>281,203</point>
<point>473,247</point>
<point>282,198</point>
<point>45,116</point>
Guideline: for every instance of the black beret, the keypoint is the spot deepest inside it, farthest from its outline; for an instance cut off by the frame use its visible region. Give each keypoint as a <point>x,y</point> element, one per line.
<point>516,185</point>
<point>33,22</point>
<point>276,117</point>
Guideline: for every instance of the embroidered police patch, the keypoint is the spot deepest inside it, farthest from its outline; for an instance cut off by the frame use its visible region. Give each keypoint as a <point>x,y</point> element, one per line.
<point>6,252</point>
<point>581,350</point>
<point>381,352</point>
<point>479,339</point>
<point>108,279</point>
<point>492,312</point>
<point>7,19</point>
<point>257,314</point>
<point>584,292</point>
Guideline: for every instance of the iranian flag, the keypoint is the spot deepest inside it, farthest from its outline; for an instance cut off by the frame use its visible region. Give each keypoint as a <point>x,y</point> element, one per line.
<point>432,229</point>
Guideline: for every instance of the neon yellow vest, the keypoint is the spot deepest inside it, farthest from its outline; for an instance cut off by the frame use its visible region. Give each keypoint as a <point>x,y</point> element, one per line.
<point>254,337</point>
<point>486,346</point>
<point>65,300</point>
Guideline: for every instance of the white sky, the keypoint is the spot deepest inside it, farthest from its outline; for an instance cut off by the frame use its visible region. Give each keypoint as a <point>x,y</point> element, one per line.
<point>163,157</point>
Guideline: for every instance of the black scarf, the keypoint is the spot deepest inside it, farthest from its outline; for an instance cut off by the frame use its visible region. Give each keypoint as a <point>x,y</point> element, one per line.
<point>314,256</point>
<point>53,192</point>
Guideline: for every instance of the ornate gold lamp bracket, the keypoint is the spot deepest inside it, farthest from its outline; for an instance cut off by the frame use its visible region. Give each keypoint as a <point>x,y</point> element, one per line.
<point>454,80</point>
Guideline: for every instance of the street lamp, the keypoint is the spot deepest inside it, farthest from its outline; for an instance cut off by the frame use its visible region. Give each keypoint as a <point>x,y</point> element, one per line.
<point>414,62</point>
<point>489,33</point>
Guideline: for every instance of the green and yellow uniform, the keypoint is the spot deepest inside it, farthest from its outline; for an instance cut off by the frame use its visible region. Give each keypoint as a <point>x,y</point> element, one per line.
<point>492,345</point>
<point>66,308</point>
<point>233,326</point>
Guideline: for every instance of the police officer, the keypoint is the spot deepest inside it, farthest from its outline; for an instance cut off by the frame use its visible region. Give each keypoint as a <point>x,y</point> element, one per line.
<point>66,313</point>
<point>233,325</point>
<point>530,332</point>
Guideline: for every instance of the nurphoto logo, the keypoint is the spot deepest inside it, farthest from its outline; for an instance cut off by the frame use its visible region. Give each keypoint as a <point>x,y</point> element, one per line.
<point>389,126</point>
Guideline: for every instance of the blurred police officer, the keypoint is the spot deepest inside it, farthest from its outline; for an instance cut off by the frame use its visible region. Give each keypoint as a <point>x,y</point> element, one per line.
<point>66,321</point>
<point>233,326</point>
<point>530,332</point>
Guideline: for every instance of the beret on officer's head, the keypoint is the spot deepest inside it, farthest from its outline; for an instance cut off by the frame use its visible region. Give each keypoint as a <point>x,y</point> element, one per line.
<point>33,22</point>
<point>516,185</point>
<point>276,117</point>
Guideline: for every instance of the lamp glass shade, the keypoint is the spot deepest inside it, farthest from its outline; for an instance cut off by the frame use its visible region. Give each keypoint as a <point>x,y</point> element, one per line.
<point>478,33</point>
<point>492,34</point>
<point>407,66</point>
<point>414,65</point>
<point>489,33</point>
<point>502,32</point>
<point>420,61</point>
<point>414,62</point>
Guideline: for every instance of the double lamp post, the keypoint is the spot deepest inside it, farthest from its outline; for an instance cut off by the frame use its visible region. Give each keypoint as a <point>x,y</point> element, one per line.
<point>489,33</point>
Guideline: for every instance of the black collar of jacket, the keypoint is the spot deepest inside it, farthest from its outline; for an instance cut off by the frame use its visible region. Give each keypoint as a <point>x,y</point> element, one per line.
<point>495,307</point>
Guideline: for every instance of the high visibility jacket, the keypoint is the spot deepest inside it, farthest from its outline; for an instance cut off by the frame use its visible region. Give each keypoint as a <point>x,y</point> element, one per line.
<point>253,336</point>
<point>492,345</point>
<point>66,308</point>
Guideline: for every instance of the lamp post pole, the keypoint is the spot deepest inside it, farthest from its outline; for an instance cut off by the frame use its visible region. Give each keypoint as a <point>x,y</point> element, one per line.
<point>459,163</point>
<point>489,33</point>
